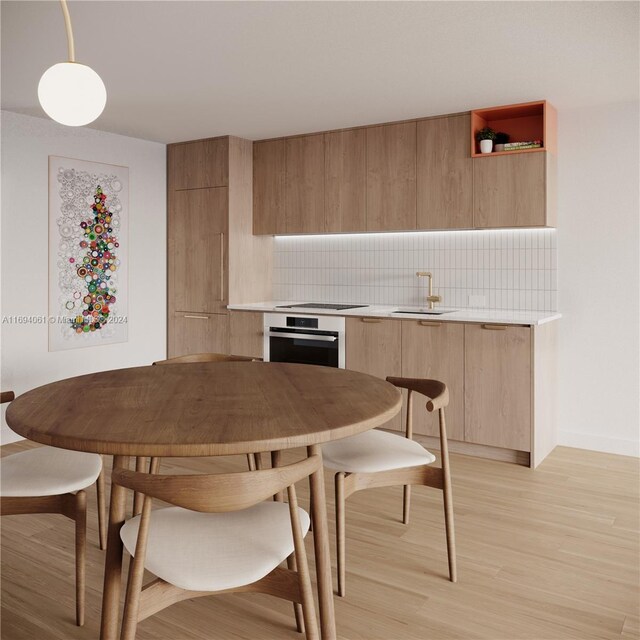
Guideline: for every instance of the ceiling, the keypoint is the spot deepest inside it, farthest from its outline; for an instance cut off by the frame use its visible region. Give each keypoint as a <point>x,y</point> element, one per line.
<point>183,70</point>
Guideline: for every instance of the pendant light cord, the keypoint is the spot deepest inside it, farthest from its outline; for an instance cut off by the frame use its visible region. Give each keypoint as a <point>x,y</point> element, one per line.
<point>67,23</point>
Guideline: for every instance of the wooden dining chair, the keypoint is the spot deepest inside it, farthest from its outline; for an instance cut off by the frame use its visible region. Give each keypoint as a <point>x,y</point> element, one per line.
<point>221,536</point>
<point>380,459</point>
<point>52,480</point>
<point>253,461</point>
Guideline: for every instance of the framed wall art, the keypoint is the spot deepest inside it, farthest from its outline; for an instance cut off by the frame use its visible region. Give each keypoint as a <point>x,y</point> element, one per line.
<point>88,233</point>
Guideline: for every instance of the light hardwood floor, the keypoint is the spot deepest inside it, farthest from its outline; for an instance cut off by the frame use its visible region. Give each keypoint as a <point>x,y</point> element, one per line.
<point>551,554</point>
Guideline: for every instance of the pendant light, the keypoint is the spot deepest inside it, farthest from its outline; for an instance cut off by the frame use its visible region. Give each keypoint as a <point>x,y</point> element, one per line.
<point>71,93</point>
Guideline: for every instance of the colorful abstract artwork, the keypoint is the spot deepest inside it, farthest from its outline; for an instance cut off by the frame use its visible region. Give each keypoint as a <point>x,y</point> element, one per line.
<point>88,216</point>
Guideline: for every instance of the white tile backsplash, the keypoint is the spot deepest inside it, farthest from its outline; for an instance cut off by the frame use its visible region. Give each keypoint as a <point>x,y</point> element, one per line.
<point>510,268</point>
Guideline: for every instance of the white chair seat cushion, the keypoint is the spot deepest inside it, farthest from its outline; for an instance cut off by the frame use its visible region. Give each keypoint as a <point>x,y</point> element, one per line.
<point>373,451</point>
<point>215,551</point>
<point>47,471</point>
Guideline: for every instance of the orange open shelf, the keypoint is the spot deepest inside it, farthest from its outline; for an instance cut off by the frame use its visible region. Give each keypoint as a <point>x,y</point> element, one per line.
<point>523,122</point>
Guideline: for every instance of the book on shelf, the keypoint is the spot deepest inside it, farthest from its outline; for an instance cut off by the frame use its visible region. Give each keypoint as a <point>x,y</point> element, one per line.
<point>531,144</point>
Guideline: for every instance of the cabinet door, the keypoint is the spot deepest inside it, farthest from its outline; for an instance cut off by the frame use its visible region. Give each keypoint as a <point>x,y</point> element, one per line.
<point>197,234</point>
<point>391,177</point>
<point>246,333</point>
<point>510,191</point>
<point>435,350</point>
<point>304,184</point>
<point>373,346</point>
<point>268,187</point>
<point>498,386</point>
<point>198,333</point>
<point>444,173</point>
<point>198,165</point>
<point>345,180</point>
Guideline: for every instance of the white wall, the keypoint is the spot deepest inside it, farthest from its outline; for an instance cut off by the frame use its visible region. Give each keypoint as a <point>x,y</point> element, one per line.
<point>26,144</point>
<point>598,278</point>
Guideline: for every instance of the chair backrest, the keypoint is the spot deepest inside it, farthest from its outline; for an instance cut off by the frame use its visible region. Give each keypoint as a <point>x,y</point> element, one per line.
<point>6,396</point>
<point>219,492</point>
<point>435,390</point>
<point>206,357</point>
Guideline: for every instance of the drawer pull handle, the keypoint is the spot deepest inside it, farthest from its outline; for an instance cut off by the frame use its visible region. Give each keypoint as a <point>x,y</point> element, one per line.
<point>429,323</point>
<point>197,317</point>
<point>495,327</point>
<point>371,320</point>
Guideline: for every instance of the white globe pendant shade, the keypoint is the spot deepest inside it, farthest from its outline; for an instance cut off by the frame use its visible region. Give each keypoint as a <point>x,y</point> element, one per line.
<point>72,93</point>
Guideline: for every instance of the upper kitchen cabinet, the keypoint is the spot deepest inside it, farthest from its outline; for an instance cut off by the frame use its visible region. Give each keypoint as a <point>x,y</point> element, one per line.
<point>515,187</point>
<point>197,250</point>
<point>304,184</point>
<point>198,165</point>
<point>408,175</point>
<point>391,177</point>
<point>529,124</point>
<point>345,180</point>
<point>516,190</point>
<point>444,173</point>
<point>269,187</point>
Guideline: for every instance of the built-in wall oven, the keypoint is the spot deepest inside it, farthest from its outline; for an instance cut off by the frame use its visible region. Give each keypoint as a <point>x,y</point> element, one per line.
<point>304,339</point>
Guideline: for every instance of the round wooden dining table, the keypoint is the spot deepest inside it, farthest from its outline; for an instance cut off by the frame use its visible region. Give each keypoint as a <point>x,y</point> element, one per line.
<point>205,409</point>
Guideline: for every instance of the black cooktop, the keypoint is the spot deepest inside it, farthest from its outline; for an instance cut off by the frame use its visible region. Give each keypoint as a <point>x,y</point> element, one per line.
<point>321,305</point>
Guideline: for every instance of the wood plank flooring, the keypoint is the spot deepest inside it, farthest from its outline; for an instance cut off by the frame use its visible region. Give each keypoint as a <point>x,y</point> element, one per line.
<point>551,554</point>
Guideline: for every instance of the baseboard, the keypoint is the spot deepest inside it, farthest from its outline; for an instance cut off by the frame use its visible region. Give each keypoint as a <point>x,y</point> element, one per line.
<point>7,436</point>
<point>599,443</point>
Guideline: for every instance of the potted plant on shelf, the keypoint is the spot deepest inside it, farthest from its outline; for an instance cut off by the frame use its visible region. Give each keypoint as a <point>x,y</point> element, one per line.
<point>501,139</point>
<point>485,137</point>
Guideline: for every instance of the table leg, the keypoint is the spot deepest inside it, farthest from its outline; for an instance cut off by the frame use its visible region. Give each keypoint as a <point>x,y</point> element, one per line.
<point>113,558</point>
<point>321,545</point>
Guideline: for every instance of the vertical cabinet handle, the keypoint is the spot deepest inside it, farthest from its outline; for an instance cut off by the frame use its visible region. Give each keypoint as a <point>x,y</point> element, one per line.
<point>222,267</point>
<point>495,327</point>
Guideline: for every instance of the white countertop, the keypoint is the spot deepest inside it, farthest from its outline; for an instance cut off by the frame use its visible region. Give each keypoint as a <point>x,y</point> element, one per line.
<point>499,316</point>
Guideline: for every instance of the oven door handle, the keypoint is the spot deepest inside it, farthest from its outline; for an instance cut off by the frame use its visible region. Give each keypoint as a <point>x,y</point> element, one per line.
<point>302,336</point>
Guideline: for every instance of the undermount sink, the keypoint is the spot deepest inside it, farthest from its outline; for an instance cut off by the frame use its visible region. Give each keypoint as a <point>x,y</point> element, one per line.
<point>425,312</point>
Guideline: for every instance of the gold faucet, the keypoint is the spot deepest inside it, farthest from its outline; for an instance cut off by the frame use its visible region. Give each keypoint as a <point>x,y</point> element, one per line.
<point>430,298</point>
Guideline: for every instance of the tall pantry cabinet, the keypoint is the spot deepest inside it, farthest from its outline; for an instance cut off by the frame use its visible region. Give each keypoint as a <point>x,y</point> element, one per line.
<point>213,258</point>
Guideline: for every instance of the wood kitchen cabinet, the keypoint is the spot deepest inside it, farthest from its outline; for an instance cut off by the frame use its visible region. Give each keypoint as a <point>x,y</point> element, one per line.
<point>213,257</point>
<point>345,181</point>
<point>246,333</point>
<point>498,385</point>
<point>304,184</point>
<point>374,346</point>
<point>198,165</point>
<point>516,190</point>
<point>432,349</point>
<point>269,187</point>
<point>444,173</point>
<point>197,238</point>
<point>391,177</point>
<point>198,333</point>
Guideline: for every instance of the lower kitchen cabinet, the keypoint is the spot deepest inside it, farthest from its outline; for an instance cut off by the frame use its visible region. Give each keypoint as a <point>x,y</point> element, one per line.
<point>246,333</point>
<point>498,385</point>
<point>198,333</point>
<point>432,349</point>
<point>374,346</point>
